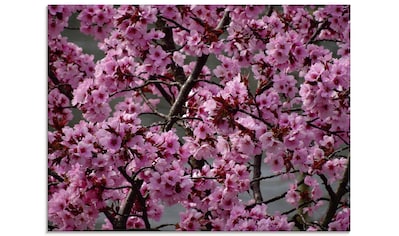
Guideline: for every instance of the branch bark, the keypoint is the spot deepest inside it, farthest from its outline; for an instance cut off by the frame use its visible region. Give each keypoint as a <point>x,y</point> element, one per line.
<point>119,223</point>
<point>185,90</point>
<point>177,106</point>
<point>333,206</point>
<point>255,185</point>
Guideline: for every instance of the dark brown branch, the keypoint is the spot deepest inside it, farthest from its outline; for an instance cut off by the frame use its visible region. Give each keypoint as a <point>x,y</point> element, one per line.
<point>177,107</point>
<point>304,204</point>
<point>124,174</point>
<point>163,225</point>
<point>123,215</point>
<point>153,109</point>
<point>336,133</point>
<point>148,82</point>
<point>109,216</point>
<point>174,22</point>
<point>334,203</point>
<point>169,46</point>
<point>274,198</point>
<point>162,91</point>
<point>55,175</point>
<point>136,188</point>
<point>329,189</point>
<point>256,117</point>
<point>210,82</point>
<point>185,90</point>
<point>337,151</point>
<point>65,89</point>
<point>140,170</point>
<point>273,176</point>
<point>203,177</point>
<point>267,201</point>
<point>115,188</point>
<point>255,183</point>
<point>125,209</point>
<point>323,25</point>
<point>124,212</point>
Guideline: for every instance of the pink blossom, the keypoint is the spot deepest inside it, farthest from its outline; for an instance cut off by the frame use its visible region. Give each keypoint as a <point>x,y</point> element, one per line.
<point>111,142</point>
<point>201,130</point>
<point>293,196</point>
<point>335,169</point>
<point>275,161</point>
<point>341,222</point>
<point>178,58</point>
<point>189,220</point>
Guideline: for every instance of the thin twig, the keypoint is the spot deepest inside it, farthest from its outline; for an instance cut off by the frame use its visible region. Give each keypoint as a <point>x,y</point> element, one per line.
<point>163,225</point>
<point>203,177</point>
<point>55,175</point>
<point>304,204</point>
<point>174,22</point>
<point>336,133</point>
<point>210,82</point>
<point>273,176</point>
<point>115,188</point>
<point>148,82</point>
<point>256,117</point>
<point>153,109</point>
<point>328,186</point>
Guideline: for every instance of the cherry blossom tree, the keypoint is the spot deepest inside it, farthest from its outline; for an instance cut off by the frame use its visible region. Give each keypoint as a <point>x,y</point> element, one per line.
<point>151,124</point>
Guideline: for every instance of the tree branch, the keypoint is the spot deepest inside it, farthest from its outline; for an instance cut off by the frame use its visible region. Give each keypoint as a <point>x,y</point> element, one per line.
<point>148,82</point>
<point>273,176</point>
<point>267,201</point>
<point>169,46</point>
<point>255,183</point>
<point>185,90</point>
<point>336,133</point>
<point>328,187</point>
<point>304,204</point>
<point>136,188</point>
<point>55,175</point>
<point>126,208</point>
<point>323,25</point>
<point>174,22</point>
<point>176,108</point>
<point>256,117</point>
<point>333,206</point>
<point>123,215</point>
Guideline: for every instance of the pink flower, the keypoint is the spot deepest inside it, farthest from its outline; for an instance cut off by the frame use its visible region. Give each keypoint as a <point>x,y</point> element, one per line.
<point>259,211</point>
<point>178,58</point>
<point>100,95</point>
<point>341,221</point>
<point>316,70</point>
<point>201,130</point>
<point>189,220</point>
<point>171,143</point>
<point>111,142</point>
<point>244,144</point>
<point>293,197</point>
<point>335,169</point>
<point>228,201</point>
<point>275,161</point>
<point>85,149</point>
<point>134,222</point>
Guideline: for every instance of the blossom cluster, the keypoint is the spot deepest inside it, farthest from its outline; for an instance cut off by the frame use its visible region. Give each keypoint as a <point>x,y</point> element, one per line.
<point>276,97</point>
